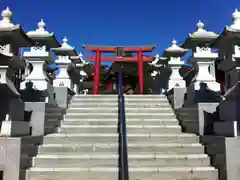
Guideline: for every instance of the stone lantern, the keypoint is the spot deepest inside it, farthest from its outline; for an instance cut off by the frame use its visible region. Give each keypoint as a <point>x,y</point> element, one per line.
<point>64,53</point>
<point>12,37</point>
<point>78,65</point>
<point>174,54</point>
<point>40,55</point>
<point>228,45</point>
<point>157,63</point>
<point>159,74</point>
<point>203,57</point>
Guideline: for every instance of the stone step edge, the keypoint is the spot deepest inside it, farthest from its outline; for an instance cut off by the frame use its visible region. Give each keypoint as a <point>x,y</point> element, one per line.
<point>116,120</point>
<point>114,103</point>
<point>116,156</point>
<point>116,108</point>
<point>128,96</point>
<point>140,95</point>
<point>115,99</point>
<point>116,135</point>
<point>113,113</point>
<point>128,126</point>
<point>116,145</point>
<point>142,169</point>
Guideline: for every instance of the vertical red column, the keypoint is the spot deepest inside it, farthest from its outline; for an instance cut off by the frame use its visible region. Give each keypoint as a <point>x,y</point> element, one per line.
<point>140,71</point>
<point>97,72</point>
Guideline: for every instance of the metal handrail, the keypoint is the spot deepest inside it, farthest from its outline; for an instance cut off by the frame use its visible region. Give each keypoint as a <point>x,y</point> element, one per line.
<point>122,149</point>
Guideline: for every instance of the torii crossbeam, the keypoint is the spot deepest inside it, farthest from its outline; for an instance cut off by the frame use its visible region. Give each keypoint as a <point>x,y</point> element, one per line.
<point>119,51</point>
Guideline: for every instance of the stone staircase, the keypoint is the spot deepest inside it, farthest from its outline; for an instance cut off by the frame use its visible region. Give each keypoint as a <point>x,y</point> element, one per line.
<point>86,144</point>
<point>157,147</point>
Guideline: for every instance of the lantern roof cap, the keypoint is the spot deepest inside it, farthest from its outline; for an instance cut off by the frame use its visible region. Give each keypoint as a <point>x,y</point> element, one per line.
<point>79,59</point>
<point>174,50</point>
<point>200,37</point>
<point>7,27</point>
<point>42,36</point>
<point>65,49</point>
<point>6,21</point>
<point>235,26</point>
<point>158,60</point>
<point>201,32</point>
<point>229,33</point>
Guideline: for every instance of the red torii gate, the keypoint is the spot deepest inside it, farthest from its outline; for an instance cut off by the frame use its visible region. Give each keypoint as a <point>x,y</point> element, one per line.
<point>140,58</point>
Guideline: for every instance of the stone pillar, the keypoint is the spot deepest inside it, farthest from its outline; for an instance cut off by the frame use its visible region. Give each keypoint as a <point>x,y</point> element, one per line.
<point>62,79</point>
<point>37,57</point>
<point>175,79</point>
<point>204,58</point>
<point>205,88</point>
<point>174,54</point>
<point>63,62</point>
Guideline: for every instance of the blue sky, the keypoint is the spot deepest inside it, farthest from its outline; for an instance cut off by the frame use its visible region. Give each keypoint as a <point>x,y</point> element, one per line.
<point>125,22</point>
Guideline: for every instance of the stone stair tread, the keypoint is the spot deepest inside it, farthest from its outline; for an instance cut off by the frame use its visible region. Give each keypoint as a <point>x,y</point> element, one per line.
<point>115,156</point>
<point>113,113</point>
<point>116,135</point>
<point>129,145</point>
<point>89,108</point>
<point>145,173</point>
<point>116,120</point>
<point>128,108</point>
<point>132,169</point>
<point>95,99</point>
<point>133,148</point>
<point>128,126</point>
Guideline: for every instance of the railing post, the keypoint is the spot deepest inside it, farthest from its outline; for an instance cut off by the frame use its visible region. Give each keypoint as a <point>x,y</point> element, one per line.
<point>123,154</point>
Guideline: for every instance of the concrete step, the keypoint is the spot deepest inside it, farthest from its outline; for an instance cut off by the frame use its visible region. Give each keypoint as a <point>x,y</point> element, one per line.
<point>92,109</point>
<point>190,126</point>
<point>95,115</point>
<point>52,122</point>
<point>142,148</point>
<point>144,96</point>
<point>99,96</point>
<point>116,96</point>
<point>61,138</point>
<point>93,104</point>
<point>53,115</point>
<point>147,109</point>
<point>104,173</point>
<point>105,100</point>
<point>31,140</point>
<point>174,173</point>
<point>146,101</point>
<point>60,110</point>
<point>149,115</point>
<point>187,110</point>
<point>115,109</point>
<point>91,115</point>
<point>115,121</point>
<point>25,161</point>
<point>50,129</point>
<point>147,105</point>
<point>111,160</point>
<point>89,104</point>
<point>113,129</point>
